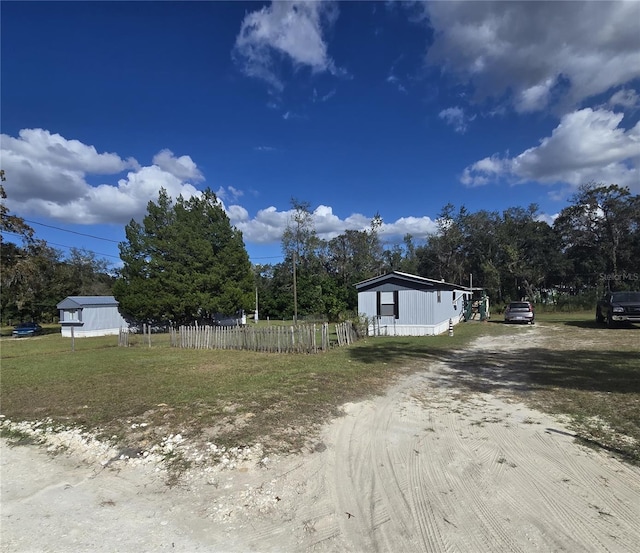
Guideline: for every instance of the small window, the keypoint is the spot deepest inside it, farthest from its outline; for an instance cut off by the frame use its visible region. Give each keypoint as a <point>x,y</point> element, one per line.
<point>388,304</point>
<point>454,296</point>
<point>439,296</point>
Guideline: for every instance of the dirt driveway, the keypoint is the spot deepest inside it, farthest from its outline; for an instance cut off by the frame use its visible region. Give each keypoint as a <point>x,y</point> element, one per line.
<point>429,467</point>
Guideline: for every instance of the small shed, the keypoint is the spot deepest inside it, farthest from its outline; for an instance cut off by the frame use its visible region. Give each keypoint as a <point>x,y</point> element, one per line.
<point>401,304</point>
<point>90,316</point>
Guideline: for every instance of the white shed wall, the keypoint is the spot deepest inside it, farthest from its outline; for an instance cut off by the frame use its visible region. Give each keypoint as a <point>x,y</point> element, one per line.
<point>97,321</point>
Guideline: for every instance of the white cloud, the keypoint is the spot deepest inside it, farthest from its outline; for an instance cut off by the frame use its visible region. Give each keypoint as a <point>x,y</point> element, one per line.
<point>538,52</point>
<point>293,30</point>
<point>67,154</point>
<point>229,193</point>
<point>50,167</point>
<point>587,145</point>
<point>47,176</point>
<point>418,227</point>
<point>266,228</point>
<point>327,224</point>
<point>181,167</point>
<point>546,218</point>
<point>627,98</point>
<point>534,98</point>
<point>456,118</point>
<point>269,224</point>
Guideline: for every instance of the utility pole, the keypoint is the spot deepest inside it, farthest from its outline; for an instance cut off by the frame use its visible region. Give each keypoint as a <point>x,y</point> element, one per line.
<point>295,291</point>
<point>255,315</point>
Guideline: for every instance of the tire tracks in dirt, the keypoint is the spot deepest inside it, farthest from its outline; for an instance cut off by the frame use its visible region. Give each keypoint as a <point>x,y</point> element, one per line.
<point>434,467</point>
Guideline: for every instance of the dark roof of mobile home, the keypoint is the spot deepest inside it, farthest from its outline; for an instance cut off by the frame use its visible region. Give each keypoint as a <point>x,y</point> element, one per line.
<point>408,281</point>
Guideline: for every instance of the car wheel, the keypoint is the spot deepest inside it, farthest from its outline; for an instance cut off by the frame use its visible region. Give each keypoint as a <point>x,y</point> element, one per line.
<point>610,323</point>
<point>599,318</point>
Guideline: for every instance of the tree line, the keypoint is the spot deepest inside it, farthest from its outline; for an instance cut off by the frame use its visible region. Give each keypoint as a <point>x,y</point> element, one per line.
<point>594,243</point>
<point>185,262</point>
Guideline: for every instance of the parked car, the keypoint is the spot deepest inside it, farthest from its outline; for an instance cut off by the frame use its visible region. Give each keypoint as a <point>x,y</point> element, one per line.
<point>519,312</point>
<point>23,330</point>
<point>618,307</point>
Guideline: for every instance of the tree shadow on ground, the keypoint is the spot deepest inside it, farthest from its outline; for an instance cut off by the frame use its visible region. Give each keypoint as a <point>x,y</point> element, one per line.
<point>390,351</point>
<point>593,325</point>
<point>531,368</point>
<point>522,369</point>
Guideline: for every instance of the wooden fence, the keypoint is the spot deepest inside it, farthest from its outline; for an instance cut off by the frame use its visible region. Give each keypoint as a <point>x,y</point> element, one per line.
<point>346,334</point>
<point>126,336</point>
<point>275,339</point>
<point>123,337</point>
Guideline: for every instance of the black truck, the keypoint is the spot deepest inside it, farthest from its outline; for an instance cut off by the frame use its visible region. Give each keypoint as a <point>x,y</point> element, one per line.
<point>618,307</point>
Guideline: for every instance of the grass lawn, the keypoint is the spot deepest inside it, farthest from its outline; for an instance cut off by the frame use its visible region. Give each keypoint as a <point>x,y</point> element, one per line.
<point>237,398</point>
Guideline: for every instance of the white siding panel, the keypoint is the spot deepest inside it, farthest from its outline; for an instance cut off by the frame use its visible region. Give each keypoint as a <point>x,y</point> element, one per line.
<point>367,304</point>
<point>420,313</point>
<point>410,330</point>
<point>98,321</point>
<point>413,308</point>
<point>81,332</point>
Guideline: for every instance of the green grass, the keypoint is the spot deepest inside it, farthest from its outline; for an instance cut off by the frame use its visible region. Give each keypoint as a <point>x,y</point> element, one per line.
<point>238,398</point>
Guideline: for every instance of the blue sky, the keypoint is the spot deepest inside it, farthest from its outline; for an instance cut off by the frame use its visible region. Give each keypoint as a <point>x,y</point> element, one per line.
<point>357,108</point>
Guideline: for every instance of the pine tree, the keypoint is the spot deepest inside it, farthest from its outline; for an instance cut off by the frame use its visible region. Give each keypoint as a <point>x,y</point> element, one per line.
<point>184,263</point>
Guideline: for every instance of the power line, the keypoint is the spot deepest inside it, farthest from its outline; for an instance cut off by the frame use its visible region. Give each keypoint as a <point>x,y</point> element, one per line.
<point>65,246</point>
<point>72,231</point>
<point>106,240</point>
<point>85,249</point>
<point>106,254</point>
<point>110,240</point>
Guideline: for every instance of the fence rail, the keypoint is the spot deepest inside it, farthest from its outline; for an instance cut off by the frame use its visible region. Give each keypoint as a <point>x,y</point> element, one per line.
<point>274,339</point>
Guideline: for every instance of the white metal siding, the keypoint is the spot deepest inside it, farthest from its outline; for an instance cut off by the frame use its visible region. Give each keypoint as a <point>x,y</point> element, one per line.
<point>367,304</point>
<point>420,313</point>
<point>97,321</point>
<point>409,330</point>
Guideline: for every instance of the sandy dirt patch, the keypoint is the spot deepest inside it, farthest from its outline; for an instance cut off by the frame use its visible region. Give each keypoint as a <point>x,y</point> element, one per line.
<point>428,467</point>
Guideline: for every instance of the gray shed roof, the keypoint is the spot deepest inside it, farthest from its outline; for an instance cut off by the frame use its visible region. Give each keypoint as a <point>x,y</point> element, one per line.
<point>78,302</point>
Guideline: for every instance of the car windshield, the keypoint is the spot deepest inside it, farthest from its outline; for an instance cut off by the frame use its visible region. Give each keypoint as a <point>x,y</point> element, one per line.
<point>26,325</point>
<point>626,296</point>
<point>519,305</point>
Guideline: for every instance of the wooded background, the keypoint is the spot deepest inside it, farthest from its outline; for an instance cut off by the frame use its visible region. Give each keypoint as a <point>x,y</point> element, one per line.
<point>185,262</point>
